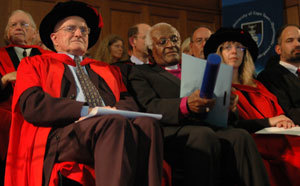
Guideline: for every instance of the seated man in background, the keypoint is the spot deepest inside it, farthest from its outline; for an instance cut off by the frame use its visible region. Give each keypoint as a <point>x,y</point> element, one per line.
<point>198,154</point>
<point>198,40</point>
<point>20,35</point>
<point>282,79</point>
<point>52,98</point>
<point>136,48</point>
<point>136,43</point>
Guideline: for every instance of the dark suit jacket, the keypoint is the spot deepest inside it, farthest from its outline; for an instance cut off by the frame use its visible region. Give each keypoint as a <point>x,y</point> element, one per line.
<point>286,87</point>
<point>157,91</point>
<point>125,68</point>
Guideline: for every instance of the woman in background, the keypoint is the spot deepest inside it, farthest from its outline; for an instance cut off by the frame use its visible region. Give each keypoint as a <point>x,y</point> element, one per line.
<point>185,46</point>
<point>111,49</point>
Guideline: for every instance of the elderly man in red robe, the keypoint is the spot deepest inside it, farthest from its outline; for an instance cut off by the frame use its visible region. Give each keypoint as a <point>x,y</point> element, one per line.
<point>20,37</point>
<point>50,102</point>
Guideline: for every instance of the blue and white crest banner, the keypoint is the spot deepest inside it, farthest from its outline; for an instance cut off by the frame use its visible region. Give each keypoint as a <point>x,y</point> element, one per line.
<point>261,18</point>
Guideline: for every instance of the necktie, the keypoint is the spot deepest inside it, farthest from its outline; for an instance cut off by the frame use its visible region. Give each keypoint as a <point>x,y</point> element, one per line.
<point>24,53</point>
<point>298,72</point>
<point>90,92</point>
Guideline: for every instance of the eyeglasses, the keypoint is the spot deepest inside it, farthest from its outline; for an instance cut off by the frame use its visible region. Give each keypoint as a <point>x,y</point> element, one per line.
<point>199,41</point>
<point>22,24</point>
<point>72,28</point>
<point>238,48</point>
<point>163,41</point>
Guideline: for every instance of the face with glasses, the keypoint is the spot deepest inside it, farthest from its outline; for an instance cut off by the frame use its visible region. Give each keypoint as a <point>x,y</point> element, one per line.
<point>198,41</point>
<point>166,45</point>
<point>71,36</point>
<point>20,31</point>
<point>232,53</point>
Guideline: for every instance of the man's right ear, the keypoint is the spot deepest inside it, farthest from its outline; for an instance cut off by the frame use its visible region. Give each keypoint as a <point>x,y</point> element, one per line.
<point>131,41</point>
<point>278,49</point>
<point>53,38</point>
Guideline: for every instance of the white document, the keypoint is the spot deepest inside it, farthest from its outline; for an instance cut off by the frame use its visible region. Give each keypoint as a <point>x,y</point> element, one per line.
<point>275,130</point>
<point>191,80</point>
<point>128,114</point>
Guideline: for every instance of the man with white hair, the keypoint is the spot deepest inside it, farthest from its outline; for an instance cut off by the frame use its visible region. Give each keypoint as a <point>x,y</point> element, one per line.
<point>198,153</point>
<point>20,33</point>
<point>20,29</point>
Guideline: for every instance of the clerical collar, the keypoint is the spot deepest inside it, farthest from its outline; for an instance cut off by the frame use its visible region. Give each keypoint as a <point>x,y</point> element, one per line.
<point>174,67</point>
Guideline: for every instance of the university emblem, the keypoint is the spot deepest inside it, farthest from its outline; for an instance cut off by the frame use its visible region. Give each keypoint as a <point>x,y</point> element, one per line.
<point>261,28</point>
<point>255,29</point>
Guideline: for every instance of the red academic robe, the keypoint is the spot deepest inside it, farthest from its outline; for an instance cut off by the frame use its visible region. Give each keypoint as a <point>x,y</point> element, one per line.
<point>281,153</point>
<point>261,103</point>
<point>26,149</point>
<point>6,66</point>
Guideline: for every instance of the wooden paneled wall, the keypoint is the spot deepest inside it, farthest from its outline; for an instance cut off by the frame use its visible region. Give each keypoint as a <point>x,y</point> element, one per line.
<point>292,11</point>
<point>119,15</point>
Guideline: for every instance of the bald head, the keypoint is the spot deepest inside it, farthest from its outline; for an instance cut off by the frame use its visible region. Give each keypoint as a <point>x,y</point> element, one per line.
<point>198,40</point>
<point>288,46</point>
<point>136,39</point>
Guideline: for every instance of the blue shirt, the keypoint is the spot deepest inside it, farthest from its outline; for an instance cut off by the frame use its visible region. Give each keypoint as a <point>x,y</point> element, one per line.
<point>79,95</point>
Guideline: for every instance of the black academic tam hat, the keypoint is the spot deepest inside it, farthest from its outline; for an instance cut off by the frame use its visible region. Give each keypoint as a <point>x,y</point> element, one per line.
<point>71,8</point>
<point>231,34</point>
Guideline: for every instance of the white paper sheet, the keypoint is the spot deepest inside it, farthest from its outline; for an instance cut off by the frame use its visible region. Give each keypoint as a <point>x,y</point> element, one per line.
<point>128,114</point>
<point>275,130</point>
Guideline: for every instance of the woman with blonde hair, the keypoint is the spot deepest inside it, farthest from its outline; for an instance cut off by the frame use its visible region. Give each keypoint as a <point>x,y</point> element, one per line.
<point>237,48</point>
<point>111,49</point>
<point>185,46</point>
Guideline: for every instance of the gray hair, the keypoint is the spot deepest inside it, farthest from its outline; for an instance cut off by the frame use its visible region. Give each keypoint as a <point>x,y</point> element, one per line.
<point>149,40</point>
<point>32,23</point>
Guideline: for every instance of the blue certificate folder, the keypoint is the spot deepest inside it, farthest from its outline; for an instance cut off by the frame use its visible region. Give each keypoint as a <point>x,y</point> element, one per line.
<point>192,79</point>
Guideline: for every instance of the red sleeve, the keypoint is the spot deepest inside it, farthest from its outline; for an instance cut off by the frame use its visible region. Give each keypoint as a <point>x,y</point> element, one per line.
<point>6,64</point>
<point>117,73</point>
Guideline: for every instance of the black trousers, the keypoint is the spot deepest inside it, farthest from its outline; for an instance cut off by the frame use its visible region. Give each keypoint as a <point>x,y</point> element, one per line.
<point>123,152</point>
<point>200,155</point>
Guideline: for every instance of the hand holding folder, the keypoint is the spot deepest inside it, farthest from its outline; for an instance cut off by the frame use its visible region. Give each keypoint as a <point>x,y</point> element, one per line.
<point>192,78</point>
